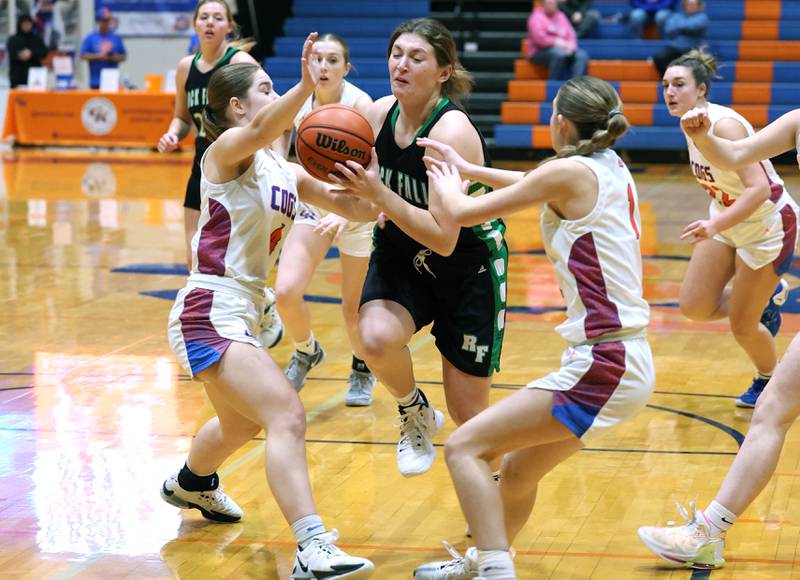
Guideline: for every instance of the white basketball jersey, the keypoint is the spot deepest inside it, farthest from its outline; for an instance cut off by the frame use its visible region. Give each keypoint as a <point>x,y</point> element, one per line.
<point>244,222</point>
<point>724,186</point>
<point>350,95</point>
<point>597,258</point>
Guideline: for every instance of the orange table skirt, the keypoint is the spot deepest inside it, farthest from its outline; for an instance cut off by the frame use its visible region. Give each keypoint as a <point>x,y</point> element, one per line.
<point>129,119</point>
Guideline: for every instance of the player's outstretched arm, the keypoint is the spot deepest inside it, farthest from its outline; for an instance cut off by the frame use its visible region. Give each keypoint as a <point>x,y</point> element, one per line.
<point>555,181</point>
<point>494,178</point>
<point>778,137</point>
<point>239,143</point>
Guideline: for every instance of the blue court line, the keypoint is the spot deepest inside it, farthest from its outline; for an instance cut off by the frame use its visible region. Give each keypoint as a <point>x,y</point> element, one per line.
<point>737,435</point>
<point>700,574</point>
<point>592,449</point>
<point>153,269</point>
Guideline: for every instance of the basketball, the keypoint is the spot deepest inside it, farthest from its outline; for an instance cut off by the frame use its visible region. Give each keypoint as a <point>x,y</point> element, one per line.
<point>333,134</point>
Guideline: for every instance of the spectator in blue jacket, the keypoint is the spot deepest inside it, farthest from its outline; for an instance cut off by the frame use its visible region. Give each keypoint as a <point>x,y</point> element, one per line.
<point>684,31</point>
<point>102,48</point>
<point>645,11</point>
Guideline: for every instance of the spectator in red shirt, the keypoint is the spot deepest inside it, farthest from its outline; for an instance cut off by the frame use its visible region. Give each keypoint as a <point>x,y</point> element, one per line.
<point>552,42</point>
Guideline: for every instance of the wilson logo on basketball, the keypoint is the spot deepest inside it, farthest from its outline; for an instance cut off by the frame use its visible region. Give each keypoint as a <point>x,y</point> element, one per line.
<point>339,146</point>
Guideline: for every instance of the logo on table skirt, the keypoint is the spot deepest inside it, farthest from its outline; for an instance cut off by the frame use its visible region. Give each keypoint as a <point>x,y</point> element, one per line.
<point>99,116</point>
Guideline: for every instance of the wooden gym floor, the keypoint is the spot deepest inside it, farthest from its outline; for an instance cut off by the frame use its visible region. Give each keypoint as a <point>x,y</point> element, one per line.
<point>95,412</point>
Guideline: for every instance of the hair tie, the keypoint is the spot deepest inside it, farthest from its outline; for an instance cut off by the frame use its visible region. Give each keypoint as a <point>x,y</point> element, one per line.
<point>613,113</point>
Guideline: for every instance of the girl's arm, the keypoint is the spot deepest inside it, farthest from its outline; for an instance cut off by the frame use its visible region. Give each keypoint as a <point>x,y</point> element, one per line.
<point>439,235</point>
<point>181,122</point>
<point>556,181</point>
<point>239,143</point>
<point>778,137</point>
<point>494,178</point>
<point>320,194</point>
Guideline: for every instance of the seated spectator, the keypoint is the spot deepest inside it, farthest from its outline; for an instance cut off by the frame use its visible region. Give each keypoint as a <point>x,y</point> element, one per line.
<point>684,31</point>
<point>581,15</point>
<point>552,42</point>
<point>646,11</point>
<point>102,48</point>
<point>25,49</point>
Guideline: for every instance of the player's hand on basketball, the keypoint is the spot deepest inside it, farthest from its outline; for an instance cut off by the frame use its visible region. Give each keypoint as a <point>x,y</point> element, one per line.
<point>699,231</point>
<point>167,143</point>
<point>331,225</point>
<point>365,182</point>
<point>310,67</point>
<point>446,152</point>
<point>444,179</point>
<point>695,123</point>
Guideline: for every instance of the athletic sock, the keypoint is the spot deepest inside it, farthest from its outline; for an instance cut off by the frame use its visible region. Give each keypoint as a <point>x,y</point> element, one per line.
<point>190,481</point>
<point>415,397</point>
<point>359,365</point>
<point>306,528</point>
<point>495,565</point>
<point>307,346</point>
<point>765,376</point>
<point>719,518</point>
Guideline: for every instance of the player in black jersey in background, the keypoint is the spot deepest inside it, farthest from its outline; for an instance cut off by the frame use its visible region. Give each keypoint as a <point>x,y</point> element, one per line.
<point>423,270</point>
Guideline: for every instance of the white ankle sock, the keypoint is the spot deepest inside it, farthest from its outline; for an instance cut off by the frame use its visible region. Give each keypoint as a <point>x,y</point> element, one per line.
<point>306,528</point>
<point>719,517</point>
<point>495,565</point>
<point>306,346</point>
<point>768,376</point>
<point>410,399</point>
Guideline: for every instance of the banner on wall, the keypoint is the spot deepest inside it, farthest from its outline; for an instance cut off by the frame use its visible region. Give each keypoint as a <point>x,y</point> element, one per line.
<point>150,17</point>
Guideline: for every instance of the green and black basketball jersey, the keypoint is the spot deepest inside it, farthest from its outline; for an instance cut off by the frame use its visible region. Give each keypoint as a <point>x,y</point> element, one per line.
<point>197,90</point>
<point>403,171</point>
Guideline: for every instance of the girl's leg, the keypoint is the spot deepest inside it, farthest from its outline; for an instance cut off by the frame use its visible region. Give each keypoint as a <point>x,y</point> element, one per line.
<point>519,421</point>
<point>751,292</point>
<point>776,411</point>
<point>300,256</point>
<point>522,470</point>
<point>703,294</point>
<point>250,382</point>
<point>220,436</point>
<point>385,329</point>
<point>354,271</point>
<point>191,217</point>
<point>361,382</point>
<point>466,395</point>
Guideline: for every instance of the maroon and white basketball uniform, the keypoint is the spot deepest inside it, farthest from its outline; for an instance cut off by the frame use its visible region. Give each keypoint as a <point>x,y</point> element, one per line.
<point>243,224</point>
<point>768,235</point>
<point>607,372</point>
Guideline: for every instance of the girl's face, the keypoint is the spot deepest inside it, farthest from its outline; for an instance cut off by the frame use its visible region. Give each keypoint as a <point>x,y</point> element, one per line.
<point>332,65</point>
<point>260,94</point>
<point>681,93</point>
<point>413,68</point>
<point>212,22</point>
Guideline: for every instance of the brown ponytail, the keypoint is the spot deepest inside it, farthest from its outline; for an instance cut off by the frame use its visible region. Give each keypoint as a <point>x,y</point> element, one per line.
<point>596,110</point>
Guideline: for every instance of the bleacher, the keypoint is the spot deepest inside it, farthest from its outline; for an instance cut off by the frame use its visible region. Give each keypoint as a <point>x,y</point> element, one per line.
<point>756,41</point>
<point>366,26</point>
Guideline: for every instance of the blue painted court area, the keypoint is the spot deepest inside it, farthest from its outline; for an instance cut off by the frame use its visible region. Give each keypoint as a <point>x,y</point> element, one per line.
<point>792,305</point>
